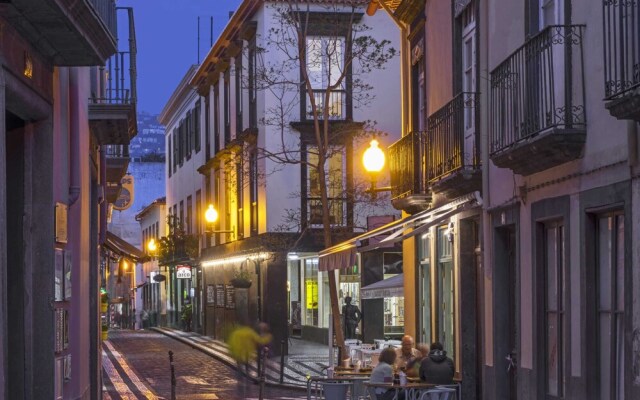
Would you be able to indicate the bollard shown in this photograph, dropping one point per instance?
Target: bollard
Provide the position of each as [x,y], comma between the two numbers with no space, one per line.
[282,361]
[262,355]
[173,376]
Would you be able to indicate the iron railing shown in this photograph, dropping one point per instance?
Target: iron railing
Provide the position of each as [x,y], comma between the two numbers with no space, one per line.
[407,165]
[119,75]
[106,10]
[538,87]
[337,210]
[621,19]
[337,107]
[116,151]
[452,143]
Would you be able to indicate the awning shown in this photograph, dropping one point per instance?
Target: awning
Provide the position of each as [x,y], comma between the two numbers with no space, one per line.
[343,255]
[390,287]
[122,247]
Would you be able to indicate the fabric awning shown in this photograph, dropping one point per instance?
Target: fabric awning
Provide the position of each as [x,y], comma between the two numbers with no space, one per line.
[120,246]
[343,255]
[390,287]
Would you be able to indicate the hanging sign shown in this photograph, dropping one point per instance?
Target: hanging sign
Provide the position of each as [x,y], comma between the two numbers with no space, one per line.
[183,272]
[125,200]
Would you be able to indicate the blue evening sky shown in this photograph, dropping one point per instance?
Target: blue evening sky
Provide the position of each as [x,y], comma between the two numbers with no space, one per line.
[167,37]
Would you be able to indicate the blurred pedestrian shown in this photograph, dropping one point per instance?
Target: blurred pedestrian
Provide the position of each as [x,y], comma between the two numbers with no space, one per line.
[243,343]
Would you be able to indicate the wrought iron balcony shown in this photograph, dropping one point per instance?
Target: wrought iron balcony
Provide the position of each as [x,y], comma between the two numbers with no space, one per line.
[71,32]
[453,156]
[622,58]
[537,113]
[112,111]
[117,158]
[407,165]
[337,211]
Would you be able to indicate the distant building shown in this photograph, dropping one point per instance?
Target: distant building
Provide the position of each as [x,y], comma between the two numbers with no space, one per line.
[148,146]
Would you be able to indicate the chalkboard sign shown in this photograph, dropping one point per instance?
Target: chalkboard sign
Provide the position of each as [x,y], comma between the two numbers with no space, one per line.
[211,294]
[231,297]
[219,295]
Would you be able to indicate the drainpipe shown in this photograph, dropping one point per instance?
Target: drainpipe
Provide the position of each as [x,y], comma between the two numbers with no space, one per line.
[63,78]
[632,142]
[74,137]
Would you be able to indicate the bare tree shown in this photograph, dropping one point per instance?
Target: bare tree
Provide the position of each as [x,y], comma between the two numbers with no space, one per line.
[319,55]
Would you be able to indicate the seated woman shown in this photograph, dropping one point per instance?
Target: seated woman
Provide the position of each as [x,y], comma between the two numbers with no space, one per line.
[383,373]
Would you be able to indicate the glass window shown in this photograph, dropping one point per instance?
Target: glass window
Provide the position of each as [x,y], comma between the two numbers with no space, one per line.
[311,292]
[610,307]
[424,255]
[335,183]
[253,190]
[325,66]
[446,292]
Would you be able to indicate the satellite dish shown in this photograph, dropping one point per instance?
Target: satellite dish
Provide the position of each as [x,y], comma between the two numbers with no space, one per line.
[159,278]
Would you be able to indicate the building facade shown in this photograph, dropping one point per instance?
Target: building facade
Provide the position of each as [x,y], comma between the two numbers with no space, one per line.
[270,216]
[534,294]
[58,127]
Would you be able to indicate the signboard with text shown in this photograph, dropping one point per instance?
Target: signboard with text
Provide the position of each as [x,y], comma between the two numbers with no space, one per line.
[183,272]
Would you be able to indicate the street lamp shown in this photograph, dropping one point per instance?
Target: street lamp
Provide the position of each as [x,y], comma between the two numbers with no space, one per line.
[211,216]
[152,246]
[373,160]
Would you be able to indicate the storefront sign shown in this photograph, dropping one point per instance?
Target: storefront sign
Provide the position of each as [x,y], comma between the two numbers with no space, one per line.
[219,295]
[231,297]
[183,272]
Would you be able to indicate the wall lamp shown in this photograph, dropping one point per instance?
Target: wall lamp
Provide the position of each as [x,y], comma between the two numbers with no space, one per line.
[373,160]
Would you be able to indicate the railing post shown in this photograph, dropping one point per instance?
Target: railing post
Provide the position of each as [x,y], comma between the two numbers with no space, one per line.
[263,352]
[282,361]
[173,376]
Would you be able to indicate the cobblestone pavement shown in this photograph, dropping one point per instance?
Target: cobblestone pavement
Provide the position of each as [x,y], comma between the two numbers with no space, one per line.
[136,366]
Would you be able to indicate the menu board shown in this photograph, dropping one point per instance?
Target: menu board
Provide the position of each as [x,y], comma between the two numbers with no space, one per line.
[219,295]
[211,294]
[231,297]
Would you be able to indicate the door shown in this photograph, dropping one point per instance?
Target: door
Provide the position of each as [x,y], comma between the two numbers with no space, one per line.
[469,83]
[446,291]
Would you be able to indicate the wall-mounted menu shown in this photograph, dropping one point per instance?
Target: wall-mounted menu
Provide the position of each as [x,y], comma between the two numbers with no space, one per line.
[231,297]
[219,295]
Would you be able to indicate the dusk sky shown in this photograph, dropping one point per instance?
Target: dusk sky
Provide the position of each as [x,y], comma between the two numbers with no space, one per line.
[167,32]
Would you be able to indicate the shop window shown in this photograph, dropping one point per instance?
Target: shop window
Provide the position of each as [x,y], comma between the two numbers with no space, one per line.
[446,292]
[424,256]
[311,292]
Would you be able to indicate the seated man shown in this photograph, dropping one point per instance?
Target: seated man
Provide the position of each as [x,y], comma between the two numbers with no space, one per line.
[406,353]
[437,368]
[413,366]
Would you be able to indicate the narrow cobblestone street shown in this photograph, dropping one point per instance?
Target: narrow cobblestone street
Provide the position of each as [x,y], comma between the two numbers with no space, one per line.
[136,366]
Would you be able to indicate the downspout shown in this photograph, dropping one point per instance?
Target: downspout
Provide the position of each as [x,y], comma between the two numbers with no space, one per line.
[65,114]
[74,138]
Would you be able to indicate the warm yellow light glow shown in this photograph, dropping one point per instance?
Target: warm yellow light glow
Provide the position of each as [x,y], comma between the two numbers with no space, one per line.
[237,259]
[152,246]
[373,158]
[125,265]
[211,215]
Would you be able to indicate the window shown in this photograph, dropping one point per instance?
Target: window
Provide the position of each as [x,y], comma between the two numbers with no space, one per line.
[207,128]
[188,127]
[227,107]
[196,126]
[188,225]
[554,287]
[199,214]
[253,190]
[238,76]
[253,106]
[216,118]
[419,116]
[335,183]
[240,197]
[175,149]
[169,158]
[424,255]
[446,292]
[325,65]
[182,221]
[311,292]
[610,305]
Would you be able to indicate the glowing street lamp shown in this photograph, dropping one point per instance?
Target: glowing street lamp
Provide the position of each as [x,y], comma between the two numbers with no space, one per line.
[152,246]
[373,160]
[211,216]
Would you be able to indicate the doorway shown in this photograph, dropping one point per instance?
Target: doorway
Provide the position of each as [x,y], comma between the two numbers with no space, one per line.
[506,291]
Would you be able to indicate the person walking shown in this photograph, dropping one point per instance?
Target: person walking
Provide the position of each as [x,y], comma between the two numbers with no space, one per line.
[243,344]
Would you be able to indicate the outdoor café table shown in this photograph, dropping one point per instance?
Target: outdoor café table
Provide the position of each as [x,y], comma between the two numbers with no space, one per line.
[412,390]
[314,384]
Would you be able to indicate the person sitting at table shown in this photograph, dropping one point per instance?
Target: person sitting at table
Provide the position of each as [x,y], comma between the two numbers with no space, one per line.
[437,368]
[383,373]
[406,353]
[413,366]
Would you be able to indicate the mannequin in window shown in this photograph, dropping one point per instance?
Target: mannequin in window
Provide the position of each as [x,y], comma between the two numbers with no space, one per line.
[352,316]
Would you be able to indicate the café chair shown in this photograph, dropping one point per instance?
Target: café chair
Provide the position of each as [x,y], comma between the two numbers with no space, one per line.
[335,390]
[438,393]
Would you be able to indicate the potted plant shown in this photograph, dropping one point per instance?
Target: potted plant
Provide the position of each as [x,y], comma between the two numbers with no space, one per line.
[104,302]
[241,279]
[187,312]
[105,331]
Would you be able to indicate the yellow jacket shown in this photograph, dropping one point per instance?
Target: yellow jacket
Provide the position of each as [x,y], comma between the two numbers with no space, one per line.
[244,341]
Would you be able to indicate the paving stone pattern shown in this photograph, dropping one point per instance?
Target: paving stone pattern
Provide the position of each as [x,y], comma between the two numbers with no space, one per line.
[136,366]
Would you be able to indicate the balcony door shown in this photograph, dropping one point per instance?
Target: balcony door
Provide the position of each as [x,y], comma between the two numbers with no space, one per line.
[469,46]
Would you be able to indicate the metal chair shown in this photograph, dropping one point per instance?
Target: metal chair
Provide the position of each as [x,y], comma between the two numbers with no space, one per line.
[438,393]
[335,390]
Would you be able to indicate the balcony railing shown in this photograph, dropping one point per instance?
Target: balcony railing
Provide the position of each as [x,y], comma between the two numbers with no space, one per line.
[120,71]
[407,165]
[539,87]
[106,10]
[116,151]
[337,211]
[452,143]
[336,108]
[621,47]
